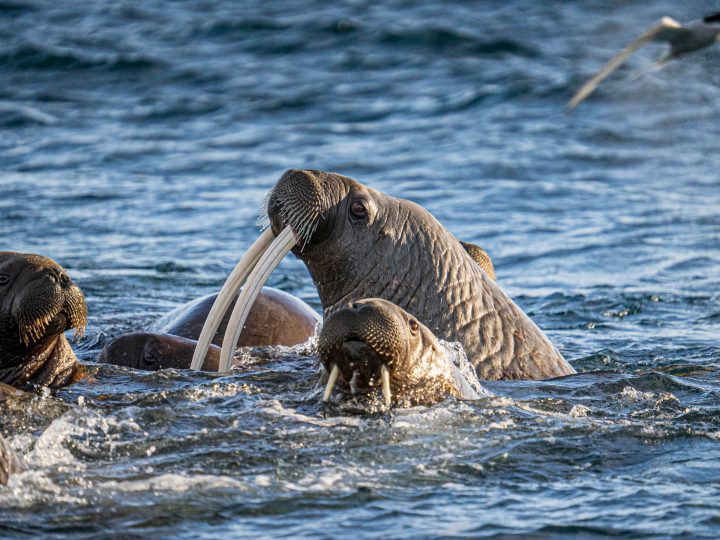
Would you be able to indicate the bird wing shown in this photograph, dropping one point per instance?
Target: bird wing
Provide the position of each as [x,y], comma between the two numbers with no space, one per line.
[665,30]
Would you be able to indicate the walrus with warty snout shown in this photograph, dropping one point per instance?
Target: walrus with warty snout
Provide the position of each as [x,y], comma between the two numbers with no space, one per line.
[276,318]
[39,302]
[359,243]
[372,344]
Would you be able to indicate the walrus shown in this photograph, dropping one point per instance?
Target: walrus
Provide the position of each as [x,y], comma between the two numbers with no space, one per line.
[373,344]
[359,243]
[39,302]
[276,318]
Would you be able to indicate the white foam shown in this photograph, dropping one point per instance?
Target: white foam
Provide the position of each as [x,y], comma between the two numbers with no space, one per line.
[275,408]
[175,483]
[455,353]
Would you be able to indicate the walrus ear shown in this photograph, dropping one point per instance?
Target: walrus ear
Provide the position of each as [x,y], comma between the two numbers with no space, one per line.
[480,256]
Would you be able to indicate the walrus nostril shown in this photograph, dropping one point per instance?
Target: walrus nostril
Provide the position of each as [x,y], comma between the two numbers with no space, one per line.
[65,280]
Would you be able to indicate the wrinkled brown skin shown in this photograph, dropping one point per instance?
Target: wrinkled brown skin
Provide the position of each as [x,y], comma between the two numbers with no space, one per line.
[366,334]
[38,304]
[276,318]
[396,250]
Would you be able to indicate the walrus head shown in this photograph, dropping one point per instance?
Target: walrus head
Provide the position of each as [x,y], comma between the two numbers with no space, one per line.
[154,351]
[38,304]
[346,232]
[373,344]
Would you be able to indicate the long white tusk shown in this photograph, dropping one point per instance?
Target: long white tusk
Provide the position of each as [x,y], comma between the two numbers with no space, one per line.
[226,295]
[334,372]
[257,278]
[385,376]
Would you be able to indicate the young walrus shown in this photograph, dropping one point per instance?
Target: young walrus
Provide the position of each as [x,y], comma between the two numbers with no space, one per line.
[38,304]
[373,344]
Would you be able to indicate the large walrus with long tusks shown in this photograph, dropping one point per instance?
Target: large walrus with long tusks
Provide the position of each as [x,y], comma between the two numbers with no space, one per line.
[360,243]
[276,318]
[38,304]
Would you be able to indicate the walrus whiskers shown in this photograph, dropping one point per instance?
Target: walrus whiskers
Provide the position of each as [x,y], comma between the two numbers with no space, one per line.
[332,379]
[34,330]
[227,293]
[282,244]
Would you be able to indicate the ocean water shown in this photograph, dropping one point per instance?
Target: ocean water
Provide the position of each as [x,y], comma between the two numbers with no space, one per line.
[137,140]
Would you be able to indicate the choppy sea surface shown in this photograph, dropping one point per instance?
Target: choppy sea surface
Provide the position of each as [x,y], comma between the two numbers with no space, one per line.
[137,140]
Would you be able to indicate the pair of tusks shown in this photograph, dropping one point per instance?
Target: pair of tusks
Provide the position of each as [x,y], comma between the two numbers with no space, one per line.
[384,377]
[256,265]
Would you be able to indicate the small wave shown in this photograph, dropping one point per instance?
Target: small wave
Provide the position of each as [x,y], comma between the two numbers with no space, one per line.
[8,7]
[237,27]
[175,483]
[13,115]
[448,40]
[171,267]
[42,57]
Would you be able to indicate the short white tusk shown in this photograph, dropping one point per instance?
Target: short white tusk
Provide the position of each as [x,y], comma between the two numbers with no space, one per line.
[332,379]
[385,376]
[226,295]
[257,278]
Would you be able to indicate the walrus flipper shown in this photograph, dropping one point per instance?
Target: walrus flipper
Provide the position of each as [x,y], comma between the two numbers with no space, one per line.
[480,256]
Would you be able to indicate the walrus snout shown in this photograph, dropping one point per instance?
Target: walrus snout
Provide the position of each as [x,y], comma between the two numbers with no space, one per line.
[364,342]
[303,199]
[48,302]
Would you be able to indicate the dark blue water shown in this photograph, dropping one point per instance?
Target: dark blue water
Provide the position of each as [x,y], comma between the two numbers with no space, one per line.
[137,140]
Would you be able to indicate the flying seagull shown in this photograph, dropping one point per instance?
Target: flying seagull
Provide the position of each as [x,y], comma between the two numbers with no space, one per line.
[682,39]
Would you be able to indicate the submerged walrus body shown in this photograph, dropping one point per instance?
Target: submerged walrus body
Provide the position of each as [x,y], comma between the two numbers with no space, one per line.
[277,318]
[359,243]
[38,304]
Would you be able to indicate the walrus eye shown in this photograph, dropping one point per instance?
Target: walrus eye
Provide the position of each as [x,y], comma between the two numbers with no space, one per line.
[4,279]
[413,326]
[358,208]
